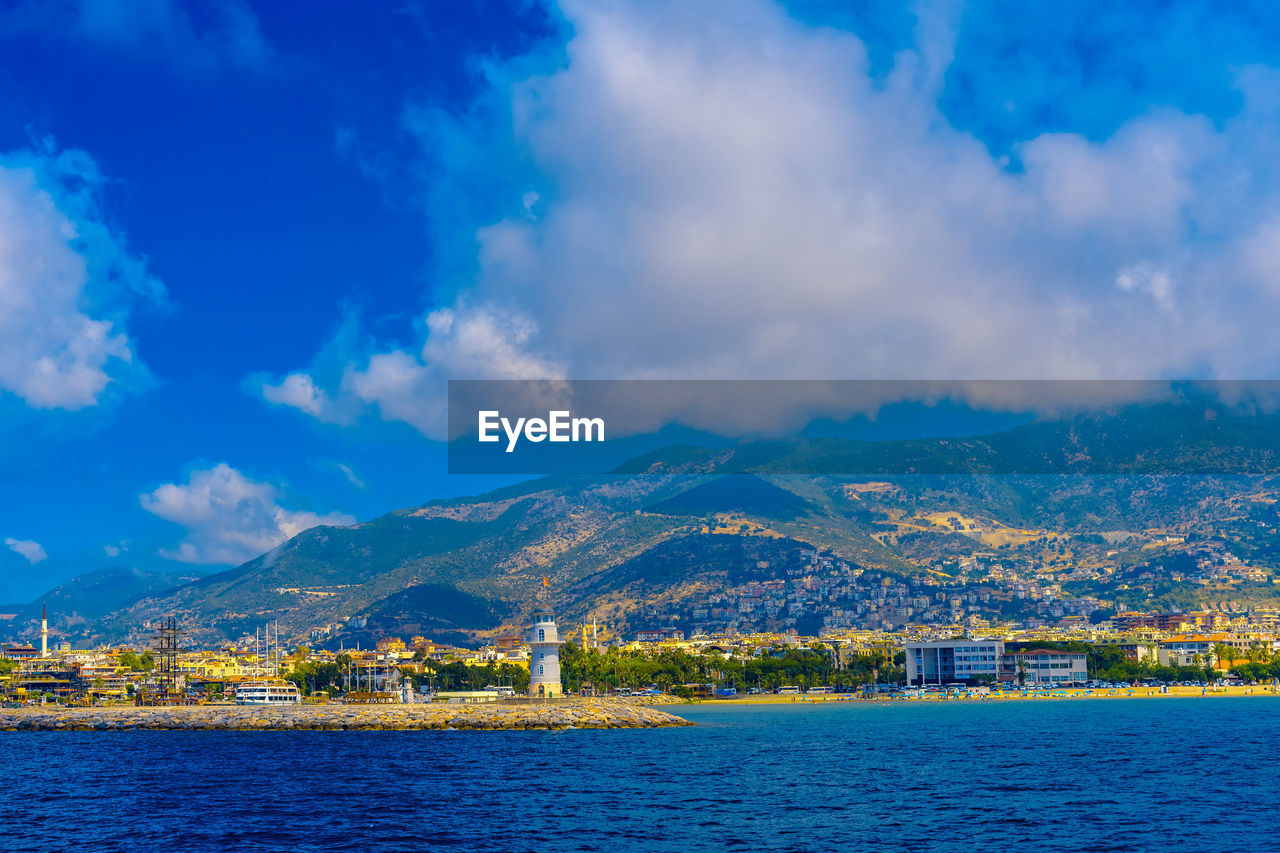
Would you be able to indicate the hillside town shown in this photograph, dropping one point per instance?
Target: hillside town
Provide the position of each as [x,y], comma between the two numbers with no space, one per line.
[820,594]
[1203,647]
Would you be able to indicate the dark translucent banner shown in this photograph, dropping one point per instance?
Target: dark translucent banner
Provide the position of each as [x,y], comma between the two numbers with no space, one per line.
[863,427]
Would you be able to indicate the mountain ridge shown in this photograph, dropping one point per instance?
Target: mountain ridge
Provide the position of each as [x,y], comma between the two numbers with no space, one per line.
[594,537]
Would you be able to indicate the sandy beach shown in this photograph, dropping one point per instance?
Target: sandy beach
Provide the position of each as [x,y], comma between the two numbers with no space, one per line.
[1047,694]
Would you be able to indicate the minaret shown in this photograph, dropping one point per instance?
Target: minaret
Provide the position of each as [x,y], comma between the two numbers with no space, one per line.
[544,655]
[44,631]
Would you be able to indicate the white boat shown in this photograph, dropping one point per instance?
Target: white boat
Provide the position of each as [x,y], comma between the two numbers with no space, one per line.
[267,693]
[268,688]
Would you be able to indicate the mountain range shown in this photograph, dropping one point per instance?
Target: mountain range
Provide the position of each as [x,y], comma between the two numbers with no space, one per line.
[1160,506]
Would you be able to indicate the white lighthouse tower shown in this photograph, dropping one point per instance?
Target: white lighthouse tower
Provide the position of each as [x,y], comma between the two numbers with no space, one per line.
[44,631]
[544,655]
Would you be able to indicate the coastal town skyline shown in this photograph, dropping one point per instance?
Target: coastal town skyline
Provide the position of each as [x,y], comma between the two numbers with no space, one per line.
[1201,649]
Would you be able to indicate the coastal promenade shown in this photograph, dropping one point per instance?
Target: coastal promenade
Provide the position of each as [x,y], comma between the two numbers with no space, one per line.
[577,714]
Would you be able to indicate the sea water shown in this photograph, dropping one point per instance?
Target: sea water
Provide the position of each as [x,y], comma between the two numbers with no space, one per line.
[1198,774]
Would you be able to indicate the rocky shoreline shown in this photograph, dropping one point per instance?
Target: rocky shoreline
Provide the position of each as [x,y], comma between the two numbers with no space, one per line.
[583,714]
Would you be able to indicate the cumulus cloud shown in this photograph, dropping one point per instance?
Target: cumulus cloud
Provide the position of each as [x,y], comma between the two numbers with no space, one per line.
[31,551]
[229,518]
[464,342]
[66,279]
[299,391]
[719,190]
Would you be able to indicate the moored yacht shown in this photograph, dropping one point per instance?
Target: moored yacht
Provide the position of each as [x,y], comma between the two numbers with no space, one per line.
[267,693]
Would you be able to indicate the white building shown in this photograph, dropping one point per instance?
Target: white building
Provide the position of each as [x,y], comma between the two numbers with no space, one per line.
[1045,667]
[946,661]
[544,655]
[1190,650]
[970,661]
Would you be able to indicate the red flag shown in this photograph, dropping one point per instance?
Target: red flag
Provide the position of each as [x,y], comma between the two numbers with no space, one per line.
[546,581]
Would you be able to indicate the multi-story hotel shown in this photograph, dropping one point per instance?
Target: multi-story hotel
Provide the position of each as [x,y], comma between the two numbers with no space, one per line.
[969,661]
[944,661]
[1044,666]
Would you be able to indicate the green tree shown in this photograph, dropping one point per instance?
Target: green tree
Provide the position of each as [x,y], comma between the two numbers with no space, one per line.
[137,663]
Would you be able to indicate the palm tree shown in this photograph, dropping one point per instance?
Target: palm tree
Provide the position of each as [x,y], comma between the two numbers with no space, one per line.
[1223,651]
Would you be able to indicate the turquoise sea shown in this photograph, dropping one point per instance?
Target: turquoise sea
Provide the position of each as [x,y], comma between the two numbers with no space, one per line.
[1107,775]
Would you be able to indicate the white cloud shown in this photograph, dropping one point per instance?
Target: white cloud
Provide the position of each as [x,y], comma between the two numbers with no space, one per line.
[716,190]
[33,552]
[299,391]
[464,342]
[111,550]
[229,518]
[65,279]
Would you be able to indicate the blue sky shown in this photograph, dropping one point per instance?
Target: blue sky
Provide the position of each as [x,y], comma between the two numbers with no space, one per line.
[242,248]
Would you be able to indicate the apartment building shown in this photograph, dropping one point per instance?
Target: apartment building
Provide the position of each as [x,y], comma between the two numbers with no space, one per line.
[1044,667]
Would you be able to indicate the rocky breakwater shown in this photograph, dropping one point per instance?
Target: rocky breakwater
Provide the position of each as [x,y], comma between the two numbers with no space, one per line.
[583,714]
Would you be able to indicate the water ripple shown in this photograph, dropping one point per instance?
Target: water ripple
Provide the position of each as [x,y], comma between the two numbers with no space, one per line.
[1098,776]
